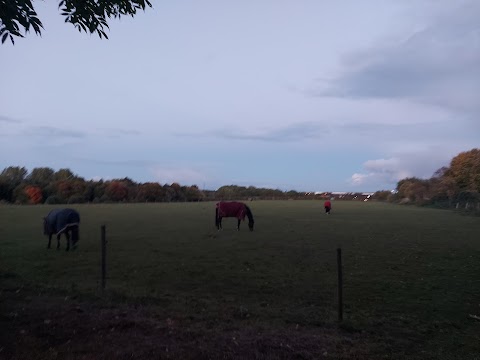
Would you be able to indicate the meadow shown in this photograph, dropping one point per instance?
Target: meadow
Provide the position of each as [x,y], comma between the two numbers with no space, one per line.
[411,275]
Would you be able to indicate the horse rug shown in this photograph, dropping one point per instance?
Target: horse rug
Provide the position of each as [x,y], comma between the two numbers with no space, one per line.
[231,209]
[59,219]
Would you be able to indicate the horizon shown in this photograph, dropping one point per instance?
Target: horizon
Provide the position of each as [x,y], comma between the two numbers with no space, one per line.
[202,188]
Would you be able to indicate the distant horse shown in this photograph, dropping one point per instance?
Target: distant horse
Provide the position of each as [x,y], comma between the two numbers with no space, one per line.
[233,209]
[62,221]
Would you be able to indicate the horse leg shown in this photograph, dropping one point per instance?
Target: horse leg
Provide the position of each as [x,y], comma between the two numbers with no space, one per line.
[220,224]
[49,241]
[58,241]
[238,225]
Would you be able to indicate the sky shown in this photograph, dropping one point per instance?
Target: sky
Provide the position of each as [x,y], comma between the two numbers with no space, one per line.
[302,95]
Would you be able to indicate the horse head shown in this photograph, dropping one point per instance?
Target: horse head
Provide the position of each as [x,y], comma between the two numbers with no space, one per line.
[75,236]
[249,214]
[45,226]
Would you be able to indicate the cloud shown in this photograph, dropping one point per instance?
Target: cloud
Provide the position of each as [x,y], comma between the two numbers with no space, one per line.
[360,179]
[130,163]
[421,164]
[116,133]
[439,64]
[291,133]
[9,119]
[181,175]
[50,131]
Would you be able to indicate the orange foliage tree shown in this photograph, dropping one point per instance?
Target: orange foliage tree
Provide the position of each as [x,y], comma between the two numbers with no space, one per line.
[465,170]
[117,191]
[34,193]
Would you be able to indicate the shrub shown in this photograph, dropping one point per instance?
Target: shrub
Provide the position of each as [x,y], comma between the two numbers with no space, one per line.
[52,199]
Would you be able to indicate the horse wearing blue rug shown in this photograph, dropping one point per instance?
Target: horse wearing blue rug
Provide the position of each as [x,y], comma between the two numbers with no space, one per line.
[62,221]
[233,209]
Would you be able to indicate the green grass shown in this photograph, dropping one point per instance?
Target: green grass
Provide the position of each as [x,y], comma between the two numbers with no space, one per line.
[411,274]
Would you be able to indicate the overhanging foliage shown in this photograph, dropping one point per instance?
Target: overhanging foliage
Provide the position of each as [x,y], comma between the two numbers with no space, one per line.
[18,17]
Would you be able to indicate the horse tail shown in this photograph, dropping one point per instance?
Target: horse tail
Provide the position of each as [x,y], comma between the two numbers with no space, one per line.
[249,214]
[216,216]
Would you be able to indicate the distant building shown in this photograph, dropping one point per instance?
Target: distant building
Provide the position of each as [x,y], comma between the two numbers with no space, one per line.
[344,195]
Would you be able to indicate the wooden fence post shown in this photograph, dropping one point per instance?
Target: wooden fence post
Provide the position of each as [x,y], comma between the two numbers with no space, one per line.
[340,284]
[104,257]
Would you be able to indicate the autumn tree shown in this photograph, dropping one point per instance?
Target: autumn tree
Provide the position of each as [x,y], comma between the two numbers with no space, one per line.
[14,175]
[227,192]
[442,190]
[10,178]
[34,193]
[413,189]
[382,195]
[18,17]
[457,185]
[440,173]
[291,194]
[193,193]
[169,193]
[41,176]
[64,174]
[66,189]
[116,191]
[132,188]
[19,194]
[150,192]
[89,192]
[179,194]
[465,170]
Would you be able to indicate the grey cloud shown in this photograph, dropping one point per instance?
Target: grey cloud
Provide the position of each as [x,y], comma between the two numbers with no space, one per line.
[127,132]
[389,132]
[50,131]
[134,163]
[421,164]
[9,119]
[292,133]
[116,133]
[366,128]
[438,65]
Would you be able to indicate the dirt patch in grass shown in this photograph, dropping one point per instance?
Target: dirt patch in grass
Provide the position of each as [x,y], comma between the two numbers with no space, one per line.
[40,325]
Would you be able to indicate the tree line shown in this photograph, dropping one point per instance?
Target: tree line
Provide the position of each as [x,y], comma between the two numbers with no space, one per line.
[44,185]
[454,186]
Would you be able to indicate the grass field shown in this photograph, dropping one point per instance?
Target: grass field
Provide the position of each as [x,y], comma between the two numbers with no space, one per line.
[411,276]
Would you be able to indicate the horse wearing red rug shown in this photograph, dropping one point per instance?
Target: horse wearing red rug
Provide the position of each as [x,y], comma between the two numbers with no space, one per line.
[233,209]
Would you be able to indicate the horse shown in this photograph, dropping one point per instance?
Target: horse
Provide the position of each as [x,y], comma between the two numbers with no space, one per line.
[328,207]
[62,221]
[233,209]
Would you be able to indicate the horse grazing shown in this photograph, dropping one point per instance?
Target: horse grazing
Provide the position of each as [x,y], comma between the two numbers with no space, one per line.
[233,209]
[62,221]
